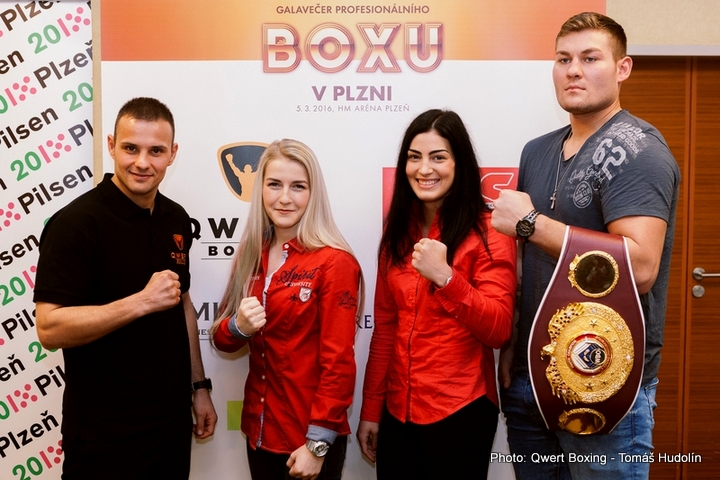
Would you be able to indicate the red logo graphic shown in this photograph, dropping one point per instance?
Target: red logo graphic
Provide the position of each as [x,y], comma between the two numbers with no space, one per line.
[492,180]
[179,241]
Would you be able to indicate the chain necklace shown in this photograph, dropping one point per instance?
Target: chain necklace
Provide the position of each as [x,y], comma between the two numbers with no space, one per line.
[558,178]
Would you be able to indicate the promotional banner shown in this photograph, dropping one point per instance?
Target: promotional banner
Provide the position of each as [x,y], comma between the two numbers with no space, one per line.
[46,140]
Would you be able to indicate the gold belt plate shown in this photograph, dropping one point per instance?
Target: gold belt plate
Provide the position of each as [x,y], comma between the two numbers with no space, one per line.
[591,353]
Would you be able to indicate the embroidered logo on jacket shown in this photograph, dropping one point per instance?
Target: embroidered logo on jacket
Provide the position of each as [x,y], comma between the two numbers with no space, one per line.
[305,294]
[348,301]
[179,257]
[179,241]
[294,277]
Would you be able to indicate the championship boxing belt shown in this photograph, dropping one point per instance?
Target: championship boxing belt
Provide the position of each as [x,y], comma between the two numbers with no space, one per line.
[587,343]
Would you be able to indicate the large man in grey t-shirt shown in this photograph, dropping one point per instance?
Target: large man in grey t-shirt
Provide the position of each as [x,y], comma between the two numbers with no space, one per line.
[607,171]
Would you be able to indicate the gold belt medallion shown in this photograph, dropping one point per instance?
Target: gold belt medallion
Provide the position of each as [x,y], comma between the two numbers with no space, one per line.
[591,353]
[594,273]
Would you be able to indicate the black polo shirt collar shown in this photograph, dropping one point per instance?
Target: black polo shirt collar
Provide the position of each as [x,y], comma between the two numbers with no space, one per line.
[122,205]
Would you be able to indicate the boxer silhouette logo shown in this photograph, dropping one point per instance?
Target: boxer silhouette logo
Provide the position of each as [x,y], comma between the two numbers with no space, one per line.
[238,165]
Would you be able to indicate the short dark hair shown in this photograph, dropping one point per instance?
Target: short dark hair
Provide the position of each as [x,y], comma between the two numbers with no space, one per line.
[597,21]
[462,206]
[147,109]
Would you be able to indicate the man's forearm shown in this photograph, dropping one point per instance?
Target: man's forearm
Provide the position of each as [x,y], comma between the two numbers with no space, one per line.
[198,372]
[62,327]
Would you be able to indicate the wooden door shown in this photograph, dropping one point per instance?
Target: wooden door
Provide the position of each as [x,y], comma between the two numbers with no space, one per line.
[681,97]
[702,367]
[657,92]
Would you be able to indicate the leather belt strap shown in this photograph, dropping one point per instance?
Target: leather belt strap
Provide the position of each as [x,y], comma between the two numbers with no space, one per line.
[587,344]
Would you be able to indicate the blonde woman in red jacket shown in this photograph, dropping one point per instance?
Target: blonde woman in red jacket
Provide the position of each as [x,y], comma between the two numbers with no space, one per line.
[294,296]
[443,300]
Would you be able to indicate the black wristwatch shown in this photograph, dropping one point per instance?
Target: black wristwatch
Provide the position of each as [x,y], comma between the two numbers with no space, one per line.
[317,448]
[205,383]
[526,226]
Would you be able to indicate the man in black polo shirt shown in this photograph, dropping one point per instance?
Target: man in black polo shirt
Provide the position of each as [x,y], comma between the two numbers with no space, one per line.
[112,291]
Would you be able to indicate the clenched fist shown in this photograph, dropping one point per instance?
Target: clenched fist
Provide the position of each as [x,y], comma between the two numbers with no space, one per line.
[162,291]
[429,258]
[250,316]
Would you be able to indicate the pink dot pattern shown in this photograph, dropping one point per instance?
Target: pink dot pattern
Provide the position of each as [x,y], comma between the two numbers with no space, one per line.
[58,145]
[7,216]
[57,451]
[25,396]
[77,19]
[24,89]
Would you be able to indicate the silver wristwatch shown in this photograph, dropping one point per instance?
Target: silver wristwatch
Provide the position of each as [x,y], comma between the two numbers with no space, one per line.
[317,448]
[526,226]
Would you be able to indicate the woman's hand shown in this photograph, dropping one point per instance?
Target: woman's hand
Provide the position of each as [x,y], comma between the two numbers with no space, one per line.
[429,258]
[304,464]
[250,316]
[367,435]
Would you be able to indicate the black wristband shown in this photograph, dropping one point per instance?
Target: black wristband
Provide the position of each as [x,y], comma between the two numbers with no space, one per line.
[205,383]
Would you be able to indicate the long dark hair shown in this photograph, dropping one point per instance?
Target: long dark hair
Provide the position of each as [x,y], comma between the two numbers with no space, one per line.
[461,208]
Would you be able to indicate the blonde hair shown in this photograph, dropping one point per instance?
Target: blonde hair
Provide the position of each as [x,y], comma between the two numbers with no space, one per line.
[316,228]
